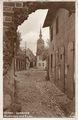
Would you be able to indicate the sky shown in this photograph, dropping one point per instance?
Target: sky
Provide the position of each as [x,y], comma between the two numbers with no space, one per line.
[30,30]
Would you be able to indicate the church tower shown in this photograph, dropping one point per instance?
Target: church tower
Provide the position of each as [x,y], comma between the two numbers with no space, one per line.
[40,44]
[41,64]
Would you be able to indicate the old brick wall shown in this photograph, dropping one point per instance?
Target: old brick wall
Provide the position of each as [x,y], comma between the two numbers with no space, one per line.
[8,72]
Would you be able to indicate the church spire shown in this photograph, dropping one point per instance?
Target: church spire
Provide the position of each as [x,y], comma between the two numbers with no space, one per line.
[40,33]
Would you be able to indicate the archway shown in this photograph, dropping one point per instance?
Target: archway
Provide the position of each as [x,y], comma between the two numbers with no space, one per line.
[14,14]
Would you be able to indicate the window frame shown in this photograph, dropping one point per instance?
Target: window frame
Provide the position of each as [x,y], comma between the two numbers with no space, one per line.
[51,33]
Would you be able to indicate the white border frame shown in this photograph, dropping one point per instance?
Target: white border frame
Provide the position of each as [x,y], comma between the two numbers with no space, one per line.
[1,61]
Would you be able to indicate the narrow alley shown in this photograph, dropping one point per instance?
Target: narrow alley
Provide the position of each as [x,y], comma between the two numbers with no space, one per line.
[35,96]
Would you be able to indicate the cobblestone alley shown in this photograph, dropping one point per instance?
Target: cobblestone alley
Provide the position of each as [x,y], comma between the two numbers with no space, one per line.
[35,96]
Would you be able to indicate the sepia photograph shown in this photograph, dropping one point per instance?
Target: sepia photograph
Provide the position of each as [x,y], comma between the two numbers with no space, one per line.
[39,59]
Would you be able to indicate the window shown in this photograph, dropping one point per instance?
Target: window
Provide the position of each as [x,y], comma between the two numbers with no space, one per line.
[56,25]
[51,32]
[57,56]
[61,56]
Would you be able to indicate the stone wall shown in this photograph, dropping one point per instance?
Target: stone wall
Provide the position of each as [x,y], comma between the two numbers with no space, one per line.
[8,69]
[62,49]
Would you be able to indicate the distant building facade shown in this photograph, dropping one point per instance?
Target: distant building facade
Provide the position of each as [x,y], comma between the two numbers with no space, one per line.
[31,57]
[62,49]
[40,63]
[22,62]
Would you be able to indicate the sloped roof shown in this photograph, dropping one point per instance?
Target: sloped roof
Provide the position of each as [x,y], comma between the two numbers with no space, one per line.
[49,18]
[52,11]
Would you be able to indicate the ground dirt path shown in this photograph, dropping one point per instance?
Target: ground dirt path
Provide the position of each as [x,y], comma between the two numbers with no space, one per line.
[33,95]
